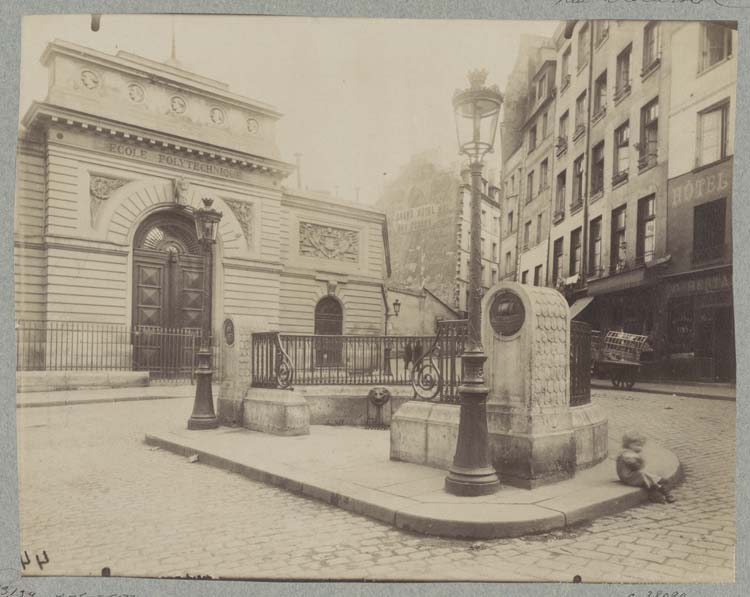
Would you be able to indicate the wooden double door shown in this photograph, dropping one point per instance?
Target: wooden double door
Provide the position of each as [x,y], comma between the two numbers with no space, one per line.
[168,299]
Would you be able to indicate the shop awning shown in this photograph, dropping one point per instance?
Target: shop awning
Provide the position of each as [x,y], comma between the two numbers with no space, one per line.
[616,283]
[580,305]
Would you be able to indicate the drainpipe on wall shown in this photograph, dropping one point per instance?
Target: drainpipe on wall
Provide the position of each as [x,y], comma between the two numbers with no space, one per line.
[586,189]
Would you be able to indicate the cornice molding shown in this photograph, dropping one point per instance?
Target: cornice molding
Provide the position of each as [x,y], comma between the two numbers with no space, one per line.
[42,114]
[331,207]
[143,68]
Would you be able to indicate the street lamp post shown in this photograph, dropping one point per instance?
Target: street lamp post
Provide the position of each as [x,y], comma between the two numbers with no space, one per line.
[204,417]
[476,109]
[387,350]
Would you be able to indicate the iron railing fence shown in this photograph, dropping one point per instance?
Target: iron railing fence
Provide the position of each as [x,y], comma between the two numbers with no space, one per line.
[72,346]
[580,363]
[431,364]
[283,360]
[168,354]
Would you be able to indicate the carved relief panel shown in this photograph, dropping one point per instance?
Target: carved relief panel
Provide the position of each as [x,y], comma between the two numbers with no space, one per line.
[101,189]
[328,242]
[244,212]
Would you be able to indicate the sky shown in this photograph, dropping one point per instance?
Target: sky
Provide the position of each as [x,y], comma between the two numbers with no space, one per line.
[359,96]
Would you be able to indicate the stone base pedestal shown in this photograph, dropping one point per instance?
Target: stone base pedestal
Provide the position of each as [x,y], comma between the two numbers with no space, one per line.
[590,431]
[529,461]
[281,412]
[425,433]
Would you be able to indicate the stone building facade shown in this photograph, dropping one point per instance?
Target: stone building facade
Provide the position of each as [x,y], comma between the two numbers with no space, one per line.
[626,154]
[429,227]
[108,165]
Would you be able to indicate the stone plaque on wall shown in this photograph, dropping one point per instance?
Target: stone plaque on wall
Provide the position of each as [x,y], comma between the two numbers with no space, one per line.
[327,242]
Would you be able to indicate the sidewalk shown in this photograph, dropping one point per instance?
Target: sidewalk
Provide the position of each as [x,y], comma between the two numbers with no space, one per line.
[710,391]
[102,395]
[351,468]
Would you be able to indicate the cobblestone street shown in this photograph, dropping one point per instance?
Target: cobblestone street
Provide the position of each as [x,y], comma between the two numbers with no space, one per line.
[94,495]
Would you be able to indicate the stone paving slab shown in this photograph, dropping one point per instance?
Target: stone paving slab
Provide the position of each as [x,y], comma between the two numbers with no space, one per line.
[350,468]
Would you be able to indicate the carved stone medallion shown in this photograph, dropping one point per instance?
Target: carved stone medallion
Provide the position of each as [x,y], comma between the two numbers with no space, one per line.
[89,79]
[253,126]
[177,104]
[327,242]
[243,211]
[217,115]
[136,93]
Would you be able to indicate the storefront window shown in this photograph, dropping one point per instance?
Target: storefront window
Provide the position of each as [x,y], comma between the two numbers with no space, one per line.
[681,331]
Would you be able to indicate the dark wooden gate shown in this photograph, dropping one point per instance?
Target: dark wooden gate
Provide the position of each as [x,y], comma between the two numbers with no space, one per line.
[168,295]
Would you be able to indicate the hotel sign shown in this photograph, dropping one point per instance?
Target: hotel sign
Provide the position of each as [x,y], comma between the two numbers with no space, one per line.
[705,185]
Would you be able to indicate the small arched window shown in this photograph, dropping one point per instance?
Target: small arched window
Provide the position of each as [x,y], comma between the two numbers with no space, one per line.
[329,319]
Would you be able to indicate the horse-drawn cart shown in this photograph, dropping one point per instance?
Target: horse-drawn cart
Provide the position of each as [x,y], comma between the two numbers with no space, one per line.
[618,355]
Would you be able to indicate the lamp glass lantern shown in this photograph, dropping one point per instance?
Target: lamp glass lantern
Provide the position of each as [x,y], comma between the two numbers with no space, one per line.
[477,110]
[207,221]
[396,307]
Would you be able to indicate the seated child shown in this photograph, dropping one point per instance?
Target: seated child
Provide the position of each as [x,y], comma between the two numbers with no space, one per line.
[630,469]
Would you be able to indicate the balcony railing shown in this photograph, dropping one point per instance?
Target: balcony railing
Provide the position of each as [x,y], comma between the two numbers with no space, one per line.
[576,205]
[595,272]
[579,130]
[619,177]
[618,266]
[644,258]
[598,114]
[621,91]
[558,215]
[647,160]
[564,83]
[561,145]
[650,67]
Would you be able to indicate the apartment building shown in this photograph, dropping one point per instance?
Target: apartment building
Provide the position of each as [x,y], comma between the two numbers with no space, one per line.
[535,200]
[490,219]
[695,297]
[428,207]
[640,197]
[513,169]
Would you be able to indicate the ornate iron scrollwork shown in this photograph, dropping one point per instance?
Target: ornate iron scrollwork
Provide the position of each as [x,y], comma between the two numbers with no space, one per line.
[284,366]
[426,378]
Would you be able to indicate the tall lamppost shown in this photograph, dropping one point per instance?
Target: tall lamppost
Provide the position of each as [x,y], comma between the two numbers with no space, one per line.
[476,110]
[206,226]
[388,349]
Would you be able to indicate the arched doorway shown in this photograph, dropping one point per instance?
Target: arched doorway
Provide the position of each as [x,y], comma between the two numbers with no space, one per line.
[168,276]
[329,321]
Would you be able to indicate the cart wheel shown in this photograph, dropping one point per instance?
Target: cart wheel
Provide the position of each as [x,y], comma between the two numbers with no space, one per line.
[629,382]
[615,375]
